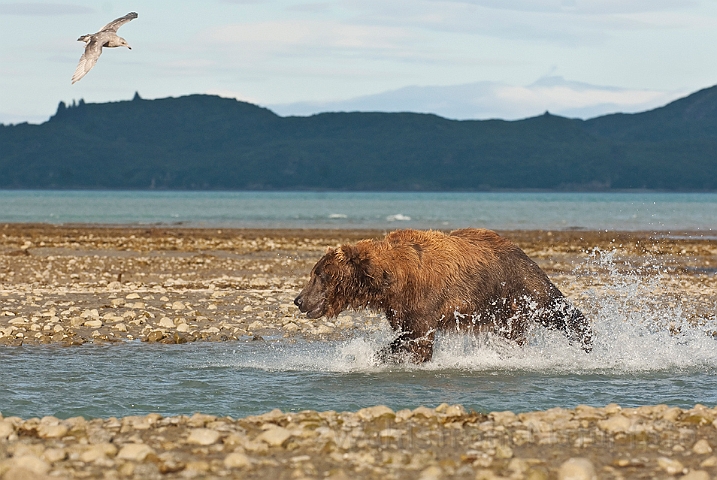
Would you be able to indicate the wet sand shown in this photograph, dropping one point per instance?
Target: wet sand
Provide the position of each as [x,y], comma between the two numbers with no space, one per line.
[70,285]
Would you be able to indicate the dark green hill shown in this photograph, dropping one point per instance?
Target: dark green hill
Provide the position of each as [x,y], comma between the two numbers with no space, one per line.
[208,142]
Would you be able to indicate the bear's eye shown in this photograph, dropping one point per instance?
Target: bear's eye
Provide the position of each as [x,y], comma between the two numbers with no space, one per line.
[320,273]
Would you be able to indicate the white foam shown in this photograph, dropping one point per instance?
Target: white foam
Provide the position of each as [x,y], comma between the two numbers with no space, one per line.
[638,327]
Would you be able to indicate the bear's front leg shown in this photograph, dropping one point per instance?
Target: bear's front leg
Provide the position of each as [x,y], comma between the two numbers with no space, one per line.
[414,346]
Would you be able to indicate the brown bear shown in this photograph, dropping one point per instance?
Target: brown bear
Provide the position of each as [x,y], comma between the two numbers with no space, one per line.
[424,281]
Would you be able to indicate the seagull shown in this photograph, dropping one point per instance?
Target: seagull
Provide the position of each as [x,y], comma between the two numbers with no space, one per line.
[106,37]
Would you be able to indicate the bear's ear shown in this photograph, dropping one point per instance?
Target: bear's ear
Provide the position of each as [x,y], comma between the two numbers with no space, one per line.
[348,254]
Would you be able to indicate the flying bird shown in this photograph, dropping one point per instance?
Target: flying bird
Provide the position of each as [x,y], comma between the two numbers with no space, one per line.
[106,37]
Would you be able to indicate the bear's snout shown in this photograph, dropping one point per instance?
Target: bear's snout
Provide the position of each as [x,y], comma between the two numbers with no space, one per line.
[298,301]
[311,303]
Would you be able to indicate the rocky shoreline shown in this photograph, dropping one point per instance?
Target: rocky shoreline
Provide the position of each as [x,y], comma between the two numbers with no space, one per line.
[70,285]
[376,442]
[73,285]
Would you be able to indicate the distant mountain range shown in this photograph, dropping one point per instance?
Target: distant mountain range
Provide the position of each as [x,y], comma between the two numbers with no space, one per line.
[487,100]
[208,142]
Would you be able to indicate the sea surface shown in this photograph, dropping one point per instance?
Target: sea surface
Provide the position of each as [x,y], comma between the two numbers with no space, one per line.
[371,210]
[638,357]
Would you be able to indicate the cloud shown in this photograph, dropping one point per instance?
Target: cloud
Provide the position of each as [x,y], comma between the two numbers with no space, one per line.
[582,7]
[43,9]
[246,2]
[567,22]
[483,100]
[317,7]
[316,37]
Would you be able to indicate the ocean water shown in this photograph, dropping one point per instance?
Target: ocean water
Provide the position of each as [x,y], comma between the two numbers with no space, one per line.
[373,210]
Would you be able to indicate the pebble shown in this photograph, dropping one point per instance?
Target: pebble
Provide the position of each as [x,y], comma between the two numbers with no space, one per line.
[696,475]
[166,322]
[577,469]
[95,452]
[670,466]
[442,442]
[78,301]
[431,473]
[275,436]
[615,424]
[6,429]
[203,436]
[135,451]
[237,460]
[52,431]
[702,447]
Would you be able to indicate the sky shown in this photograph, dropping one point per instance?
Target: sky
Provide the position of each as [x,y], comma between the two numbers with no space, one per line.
[461,58]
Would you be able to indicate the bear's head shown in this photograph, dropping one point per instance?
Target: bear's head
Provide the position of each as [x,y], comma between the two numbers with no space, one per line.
[344,277]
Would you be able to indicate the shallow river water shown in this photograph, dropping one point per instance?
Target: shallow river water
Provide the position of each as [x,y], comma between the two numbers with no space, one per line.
[630,366]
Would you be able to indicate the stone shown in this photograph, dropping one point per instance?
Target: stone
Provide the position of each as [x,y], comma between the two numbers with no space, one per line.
[373,413]
[237,460]
[672,414]
[696,475]
[19,473]
[503,451]
[93,323]
[615,424]
[503,418]
[197,466]
[672,467]
[455,411]
[431,473]
[424,412]
[135,452]
[702,447]
[324,330]
[166,322]
[709,462]
[52,431]
[255,325]
[577,469]
[155,336]
[178,306]
[32,463]
[182,328]
[203,436]
[53,455]
[200,420]
[391,433]
[275,436]
[6,429]
[100,450]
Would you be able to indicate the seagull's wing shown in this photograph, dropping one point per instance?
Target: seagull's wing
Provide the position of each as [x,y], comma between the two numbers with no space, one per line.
[114,25]
[93,50]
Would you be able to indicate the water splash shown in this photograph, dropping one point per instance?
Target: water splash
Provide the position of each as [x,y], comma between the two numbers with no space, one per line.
[639,322]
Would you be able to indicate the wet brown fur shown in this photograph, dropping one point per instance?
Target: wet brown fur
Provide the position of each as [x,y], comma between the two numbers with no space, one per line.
[424,281]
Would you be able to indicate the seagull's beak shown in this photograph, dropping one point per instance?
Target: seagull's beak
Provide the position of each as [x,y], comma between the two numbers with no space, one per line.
[129,47]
